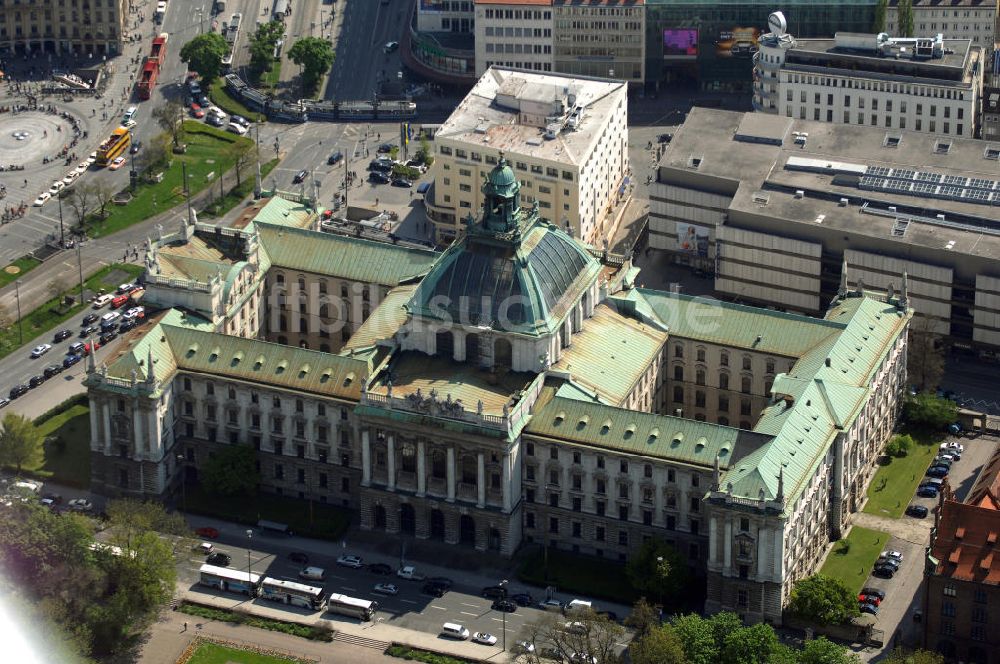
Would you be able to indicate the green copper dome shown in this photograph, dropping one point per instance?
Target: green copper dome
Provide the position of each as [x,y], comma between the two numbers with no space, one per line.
[501,180]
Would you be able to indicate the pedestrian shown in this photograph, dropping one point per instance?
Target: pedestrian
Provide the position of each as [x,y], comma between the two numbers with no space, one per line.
[185,626]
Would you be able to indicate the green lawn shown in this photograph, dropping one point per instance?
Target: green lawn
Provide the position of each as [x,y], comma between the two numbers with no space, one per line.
[236,195]
[213,653]
[852,558]
[895,482]
[18,269]
[67,456]
[574,573]
[50,314]
[406,652]
[323,521]
[270,78]
[222,99]
[208,151]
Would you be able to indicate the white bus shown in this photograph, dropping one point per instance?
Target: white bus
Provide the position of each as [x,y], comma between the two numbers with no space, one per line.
[351,606]
[229,580]
[290,592]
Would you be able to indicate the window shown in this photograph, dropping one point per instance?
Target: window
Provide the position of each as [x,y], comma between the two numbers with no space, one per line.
[979,615]
[723,381]
[553,453]
[301,479]
[576,529]
[700,353]
[742,598]
[576,458]
[746,363]
[600,487]
[530,450]
[623,538]
[623,491]
[599,533]
[600,462]
[623,466]
[279,471]
[577,504]
[948,609]
[980,596]
[947,627]
[745,384]
[744,571]
[744,525]
[678,372]
[724,359]
[978,633]
[699,377]
[553,525]
[553,500]
[678,394]
[647,470]
[322,480]
[949,590]
[529,519]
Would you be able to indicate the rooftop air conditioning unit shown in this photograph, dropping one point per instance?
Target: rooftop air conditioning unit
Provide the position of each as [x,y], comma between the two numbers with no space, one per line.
[843,202]
[799,193]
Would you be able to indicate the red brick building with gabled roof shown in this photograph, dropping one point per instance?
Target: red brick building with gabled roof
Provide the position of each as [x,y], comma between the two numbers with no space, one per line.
[962,593]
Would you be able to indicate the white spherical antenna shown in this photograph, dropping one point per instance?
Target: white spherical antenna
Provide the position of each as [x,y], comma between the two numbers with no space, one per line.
[777,23]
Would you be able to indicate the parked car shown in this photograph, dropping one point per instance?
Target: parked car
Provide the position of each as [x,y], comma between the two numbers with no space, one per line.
[52,370]
[890,553]
[551,605]
[381,164]
[88,331]
[219,559]
[70,360]
[869,608]
[90,318]
[109,336]
[873,592]
[927,492]
[380,568]
[80,505]
[916,511]
[40,350]
[884,572]
[504,605]
[484,638]
[522,599]
[207,532]
[354,562]
[116,164]
[196,110]
[135,147]
[434,589]
[62,335]
[401,182]
[77,348]
[493,592]
[888,562]
[937,471]
[378,177]
[35,381]
[240,120]
[952,446]
[863,598]
[385,589]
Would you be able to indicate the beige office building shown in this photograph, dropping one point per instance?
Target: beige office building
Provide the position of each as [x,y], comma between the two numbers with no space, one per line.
[955,19]
[79,27]
[566,139]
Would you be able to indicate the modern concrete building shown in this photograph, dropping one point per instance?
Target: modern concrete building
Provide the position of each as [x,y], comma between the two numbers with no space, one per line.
[523,390]
[77,27]
[955,19]
[782,211]
[514,33]
[991,111]
[927,84]
[962,571]
[566,139]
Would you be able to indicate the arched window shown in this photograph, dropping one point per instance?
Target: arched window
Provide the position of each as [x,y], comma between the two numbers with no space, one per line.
[723,381]
[724,359]
[724,421]
[279,278]
[678,372]
[678,351]
[769,366]
[746,363]
[699,377]
[700,354]
[745,384]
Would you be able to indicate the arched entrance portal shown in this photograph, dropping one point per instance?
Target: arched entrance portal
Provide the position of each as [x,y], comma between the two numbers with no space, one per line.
[407,519]
[467,530]
[437,524]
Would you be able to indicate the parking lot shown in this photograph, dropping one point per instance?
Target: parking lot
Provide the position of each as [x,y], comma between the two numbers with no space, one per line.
[910,536]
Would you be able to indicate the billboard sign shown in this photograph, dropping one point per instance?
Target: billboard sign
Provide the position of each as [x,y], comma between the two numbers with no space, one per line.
[680,43]
[738,43]
[432,5]
[692,239]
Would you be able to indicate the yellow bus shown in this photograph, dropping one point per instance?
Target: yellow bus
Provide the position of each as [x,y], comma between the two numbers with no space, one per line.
[115,146]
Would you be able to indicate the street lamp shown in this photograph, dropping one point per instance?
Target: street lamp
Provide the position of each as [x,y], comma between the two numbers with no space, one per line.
[17,294]
[503,587]
[182,462]
[249,572]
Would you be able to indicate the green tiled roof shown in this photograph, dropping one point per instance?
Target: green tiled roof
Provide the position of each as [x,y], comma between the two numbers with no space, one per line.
[734,325]
[611,353]
[383,323]
[133,354]
[283,212]
[195,348]
[348,258]
[634,432]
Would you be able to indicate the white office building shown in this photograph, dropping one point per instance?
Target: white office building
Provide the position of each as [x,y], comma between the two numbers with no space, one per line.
[927,84]
[955,19]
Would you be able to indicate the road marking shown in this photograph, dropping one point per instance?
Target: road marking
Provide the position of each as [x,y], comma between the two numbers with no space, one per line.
[407,601]
[466,613]
[351,589]
[441,608]
[475,606]
[339,578]
[497,619]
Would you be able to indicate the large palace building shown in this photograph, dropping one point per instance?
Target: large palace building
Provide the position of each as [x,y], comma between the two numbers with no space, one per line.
[516,388]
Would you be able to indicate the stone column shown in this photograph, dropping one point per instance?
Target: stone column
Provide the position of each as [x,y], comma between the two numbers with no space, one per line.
[366,459]
[94,414]
[137,431]
[713,539]
[761,556]
[106,410]
[480,480]
[421,468]
[728,545]
[505,482]
[391,462]
[778,554]
[451,474]
[154,432]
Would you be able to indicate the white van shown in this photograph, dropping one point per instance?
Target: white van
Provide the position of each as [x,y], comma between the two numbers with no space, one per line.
[454,631]
[579,605]
[313,573]
[129,115]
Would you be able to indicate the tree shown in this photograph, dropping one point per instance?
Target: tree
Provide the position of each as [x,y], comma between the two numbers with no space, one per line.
[928,410]
[592,633]
[925,356]
[262,46]
[232,471]
[698,636]
[170,117]
[103,195]
[899,445]
[905,13]
[755,644]
[315,56]
[658,569]
[79,200]
[879,24]
[658,646]
[21,443]
[823,600]
[644,617]
[242,156]
[823,651]
[900,656]
[204,55]
[155,153]
[424,153]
